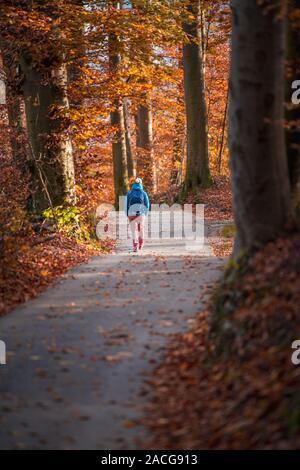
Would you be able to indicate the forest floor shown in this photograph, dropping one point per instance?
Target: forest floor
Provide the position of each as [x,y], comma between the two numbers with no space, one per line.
[78,354]
[229,382]
[32,255]
[31,265]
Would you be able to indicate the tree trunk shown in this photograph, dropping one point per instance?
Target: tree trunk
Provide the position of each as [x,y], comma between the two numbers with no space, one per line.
[137,136]
[16,114]
[197,172]
[145,160]
[222,139]
[53,179]
[145,164]
[119,153]
[117,121]
[178,149]
[129,152]
[179,134]
[293,112]
[258,161]
[74,68]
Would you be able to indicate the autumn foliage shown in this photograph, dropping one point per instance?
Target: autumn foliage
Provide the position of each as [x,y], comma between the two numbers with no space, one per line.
[94,93]
[75,34]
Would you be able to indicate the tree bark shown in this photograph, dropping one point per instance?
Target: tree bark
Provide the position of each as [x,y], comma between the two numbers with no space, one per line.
[145,160]
[178,150]
[179,134]
[129,151]
[53,179]
[119,153]
[117,121]
[197,172]
[222,139]
[293,111]
[258,161]
[74,69]
[16,113]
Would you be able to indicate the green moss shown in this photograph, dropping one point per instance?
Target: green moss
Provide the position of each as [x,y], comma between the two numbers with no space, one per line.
[72,221]
[291,413]
[229,231]
[224,302]
[207,181]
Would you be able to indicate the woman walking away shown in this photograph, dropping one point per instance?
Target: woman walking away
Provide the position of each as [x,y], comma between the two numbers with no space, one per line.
[137,206]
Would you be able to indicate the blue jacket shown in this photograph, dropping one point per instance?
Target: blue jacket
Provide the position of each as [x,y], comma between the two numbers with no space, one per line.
[145,208]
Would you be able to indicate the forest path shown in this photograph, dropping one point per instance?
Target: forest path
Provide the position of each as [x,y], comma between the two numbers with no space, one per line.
[77,355]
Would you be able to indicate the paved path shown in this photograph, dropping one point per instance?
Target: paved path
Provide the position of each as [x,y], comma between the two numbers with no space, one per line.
[78,353]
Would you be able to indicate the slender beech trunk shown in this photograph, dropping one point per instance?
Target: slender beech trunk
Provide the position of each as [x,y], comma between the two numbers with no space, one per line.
[258,161]
[74,69]
[203,32]
[16,113]
[197,172]
[178,149]
[117,121]
[18,138]
[222,139]
[53,178]
[137,135]
[179,134]
[293,111]
[145,159]
[145,162]
[129,151]
[119,152]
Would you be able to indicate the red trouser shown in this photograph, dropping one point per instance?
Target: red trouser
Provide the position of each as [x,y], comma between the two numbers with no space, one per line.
[137,226]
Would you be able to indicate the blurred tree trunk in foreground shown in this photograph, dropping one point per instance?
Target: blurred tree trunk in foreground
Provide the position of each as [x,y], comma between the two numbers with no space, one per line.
[258,160]
[293,110]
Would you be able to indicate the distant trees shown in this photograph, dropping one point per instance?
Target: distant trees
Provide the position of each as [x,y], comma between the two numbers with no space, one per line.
[79,70]
[258,160]
[83,70]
